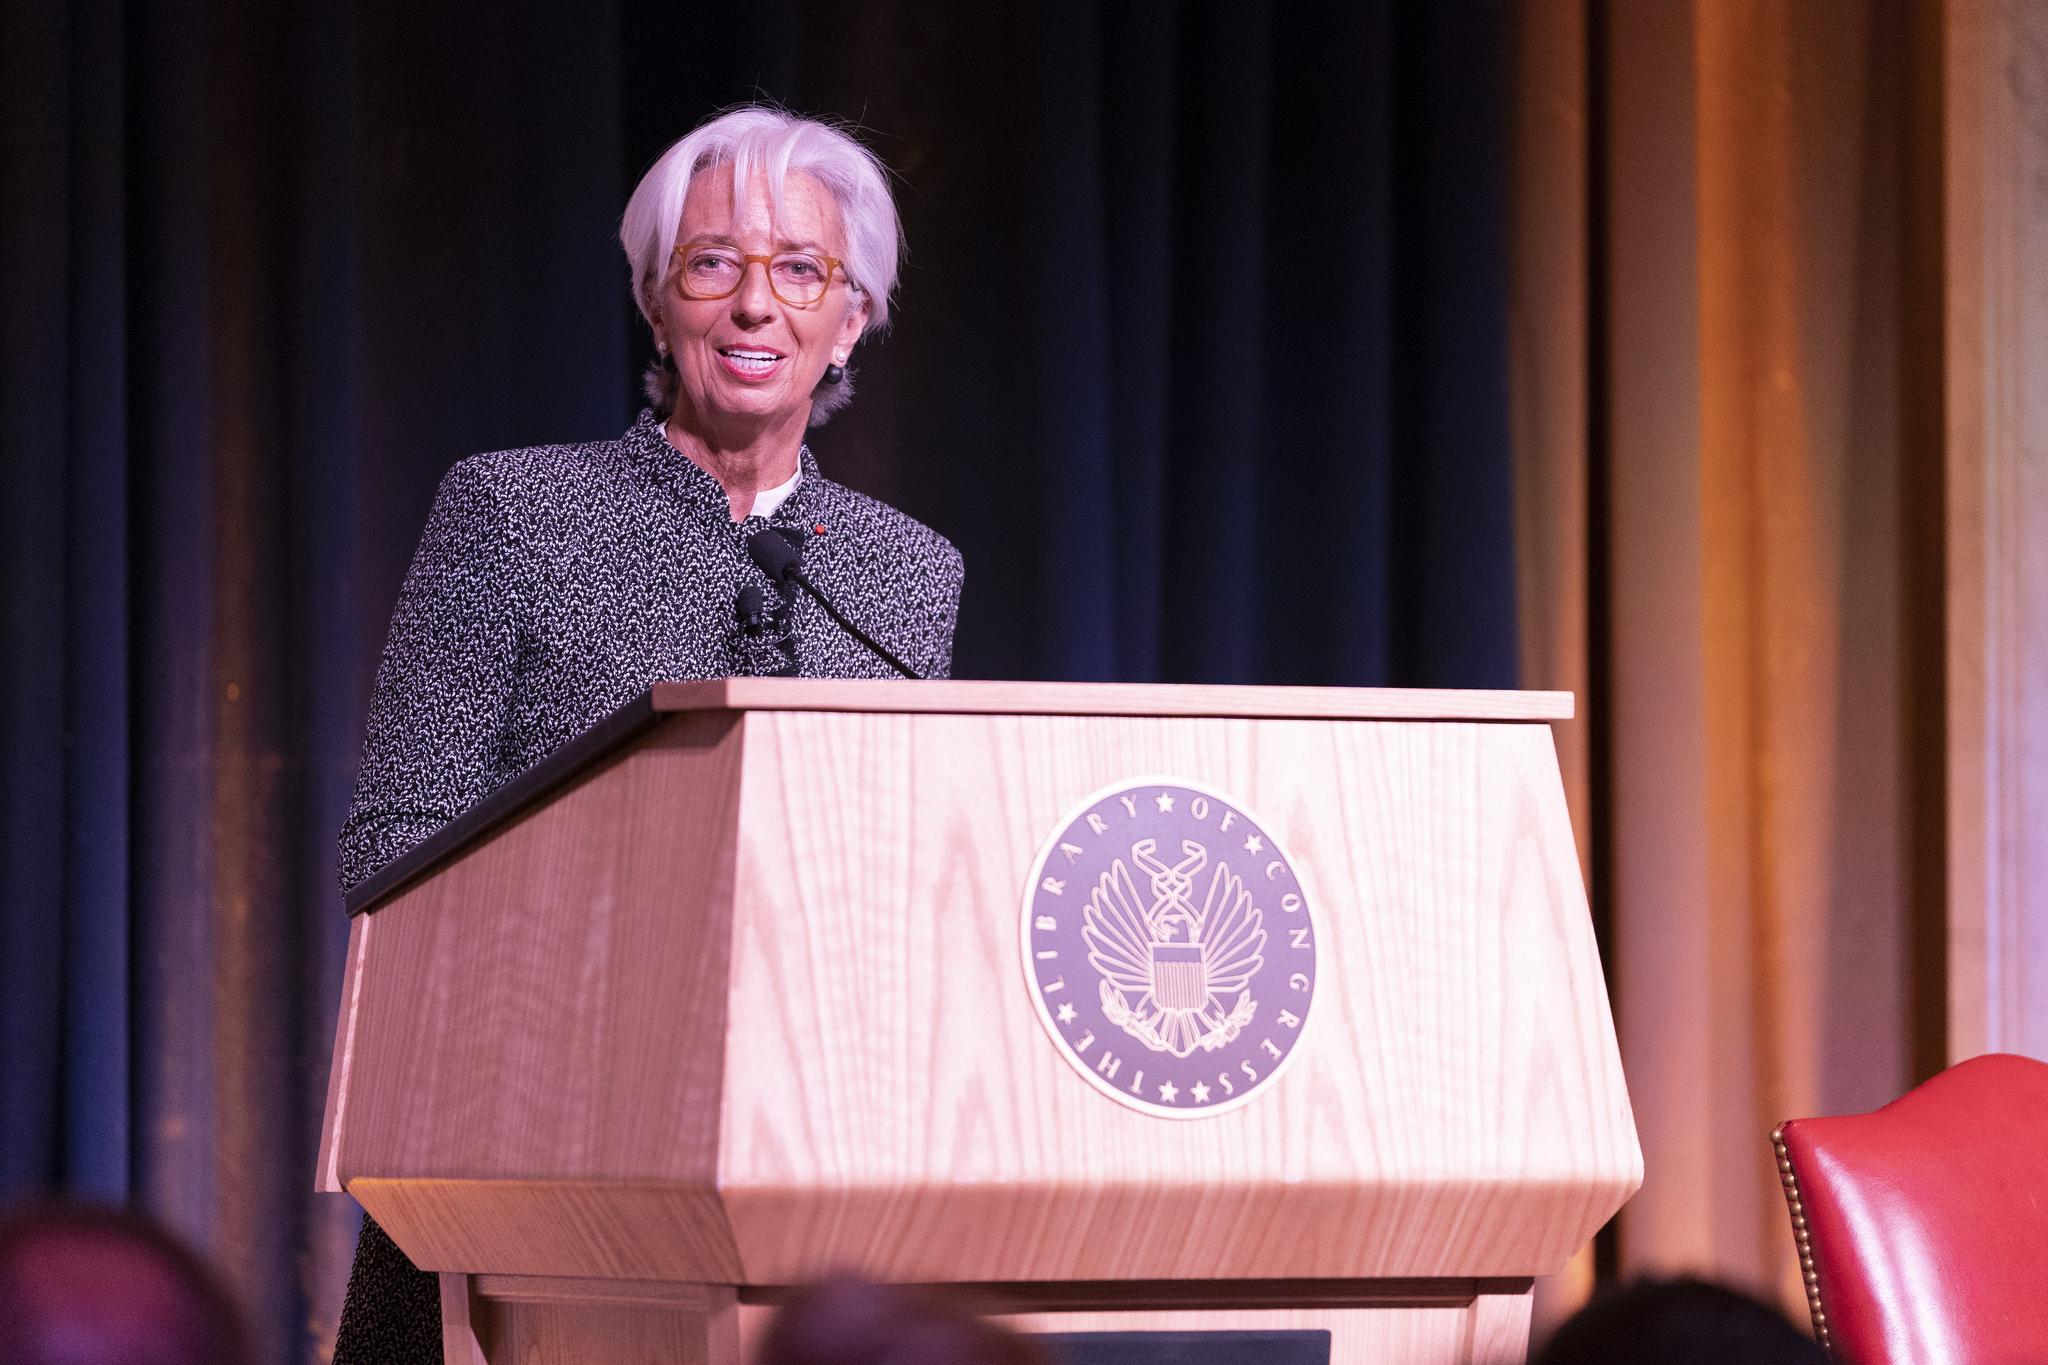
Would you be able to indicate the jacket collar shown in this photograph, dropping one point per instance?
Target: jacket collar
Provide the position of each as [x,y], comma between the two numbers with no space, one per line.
[647,446]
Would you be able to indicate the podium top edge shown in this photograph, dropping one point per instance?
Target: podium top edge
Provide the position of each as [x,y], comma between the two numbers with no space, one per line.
[1109,699]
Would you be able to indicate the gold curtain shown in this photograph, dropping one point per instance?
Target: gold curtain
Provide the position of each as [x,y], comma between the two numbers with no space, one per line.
[1733,556]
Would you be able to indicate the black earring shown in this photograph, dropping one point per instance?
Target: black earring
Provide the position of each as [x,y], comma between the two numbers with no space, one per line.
[835,374]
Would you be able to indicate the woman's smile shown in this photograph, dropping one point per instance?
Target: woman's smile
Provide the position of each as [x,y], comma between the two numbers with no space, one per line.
[751,364]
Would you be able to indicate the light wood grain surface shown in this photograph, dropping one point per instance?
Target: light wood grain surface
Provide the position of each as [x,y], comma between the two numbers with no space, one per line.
[1492,1329]
[464,1330]
[1456,1106]
[1110,699]
[578,1073]
[511,1320]
[549,1009]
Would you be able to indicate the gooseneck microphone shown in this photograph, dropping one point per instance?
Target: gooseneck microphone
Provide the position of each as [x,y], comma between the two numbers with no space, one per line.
[778,552]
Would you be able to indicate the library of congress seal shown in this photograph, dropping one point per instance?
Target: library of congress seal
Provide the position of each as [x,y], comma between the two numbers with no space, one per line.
[1169,948]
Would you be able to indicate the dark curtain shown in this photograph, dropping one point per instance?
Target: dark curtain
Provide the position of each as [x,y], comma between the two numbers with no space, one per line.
[1201,350]
[1200,358]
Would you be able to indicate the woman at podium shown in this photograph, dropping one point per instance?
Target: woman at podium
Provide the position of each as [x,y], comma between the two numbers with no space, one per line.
[553,584]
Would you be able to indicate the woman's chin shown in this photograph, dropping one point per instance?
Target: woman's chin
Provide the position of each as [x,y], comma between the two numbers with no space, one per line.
[751,402]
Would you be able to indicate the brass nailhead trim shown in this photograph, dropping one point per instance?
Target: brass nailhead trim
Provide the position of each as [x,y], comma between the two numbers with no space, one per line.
[1800,1236]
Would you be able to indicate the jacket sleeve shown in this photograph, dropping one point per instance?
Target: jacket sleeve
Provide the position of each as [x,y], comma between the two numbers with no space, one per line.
[947,618]
[444,684]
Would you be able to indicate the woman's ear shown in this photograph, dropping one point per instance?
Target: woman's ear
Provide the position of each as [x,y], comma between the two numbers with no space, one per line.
[850,327]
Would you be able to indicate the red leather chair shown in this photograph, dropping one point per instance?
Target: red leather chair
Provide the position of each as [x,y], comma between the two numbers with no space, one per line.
[1923,1227]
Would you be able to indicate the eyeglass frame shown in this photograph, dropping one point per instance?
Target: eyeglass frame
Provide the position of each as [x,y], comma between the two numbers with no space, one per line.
[832,268]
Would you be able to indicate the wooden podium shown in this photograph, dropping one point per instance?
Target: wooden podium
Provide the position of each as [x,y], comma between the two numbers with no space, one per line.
[742,988]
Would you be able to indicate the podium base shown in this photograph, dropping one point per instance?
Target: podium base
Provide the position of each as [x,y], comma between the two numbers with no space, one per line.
[535,1320]
[538,1320]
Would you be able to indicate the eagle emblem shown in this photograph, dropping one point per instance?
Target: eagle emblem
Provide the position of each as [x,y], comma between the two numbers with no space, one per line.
[1169,947]
[1176,962]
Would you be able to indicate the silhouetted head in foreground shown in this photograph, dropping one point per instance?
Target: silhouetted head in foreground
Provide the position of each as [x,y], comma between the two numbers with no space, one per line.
[855,1322]
[102,1287]
[1678,1322]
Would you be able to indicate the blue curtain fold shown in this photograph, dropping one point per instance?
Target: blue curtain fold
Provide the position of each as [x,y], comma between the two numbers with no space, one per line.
[1200,358]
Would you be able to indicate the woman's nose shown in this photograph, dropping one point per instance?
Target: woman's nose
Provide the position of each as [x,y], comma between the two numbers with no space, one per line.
[755,299]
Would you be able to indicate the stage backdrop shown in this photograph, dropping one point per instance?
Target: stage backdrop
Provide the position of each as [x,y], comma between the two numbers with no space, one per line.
[1200,359]
[1778,328]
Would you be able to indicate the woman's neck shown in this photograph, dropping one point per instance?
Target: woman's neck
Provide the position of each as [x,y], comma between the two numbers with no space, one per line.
[744,463]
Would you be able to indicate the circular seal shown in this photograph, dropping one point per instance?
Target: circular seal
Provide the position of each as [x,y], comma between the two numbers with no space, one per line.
[1169,948]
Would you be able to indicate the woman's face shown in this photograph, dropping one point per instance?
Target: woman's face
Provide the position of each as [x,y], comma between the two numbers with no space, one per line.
[751,359]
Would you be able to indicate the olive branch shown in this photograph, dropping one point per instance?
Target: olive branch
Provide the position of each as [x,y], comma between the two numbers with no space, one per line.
[1226,1032]
[1117,1010]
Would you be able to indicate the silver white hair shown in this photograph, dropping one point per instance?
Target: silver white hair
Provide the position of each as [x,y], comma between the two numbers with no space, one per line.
[778,144]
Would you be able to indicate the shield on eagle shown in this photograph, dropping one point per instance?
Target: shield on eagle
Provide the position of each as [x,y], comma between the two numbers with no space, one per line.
[1174,969]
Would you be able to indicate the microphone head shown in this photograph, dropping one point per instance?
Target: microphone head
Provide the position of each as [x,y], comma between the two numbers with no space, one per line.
[775,553]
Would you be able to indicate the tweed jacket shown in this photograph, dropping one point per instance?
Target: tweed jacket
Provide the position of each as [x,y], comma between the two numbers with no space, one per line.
[555,583]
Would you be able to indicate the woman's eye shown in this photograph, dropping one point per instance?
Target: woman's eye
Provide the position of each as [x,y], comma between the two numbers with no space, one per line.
[802,268]
[709,265]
